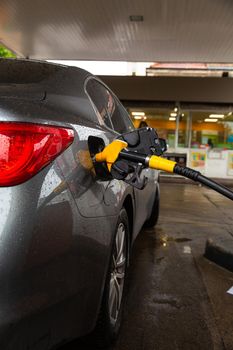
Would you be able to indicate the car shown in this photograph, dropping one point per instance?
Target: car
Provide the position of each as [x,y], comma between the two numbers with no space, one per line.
[65,234]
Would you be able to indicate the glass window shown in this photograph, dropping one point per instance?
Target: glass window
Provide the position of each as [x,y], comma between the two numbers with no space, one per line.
[212,130]
[159,119]
[120,119]
[102,99]
[110,110]
[183,130]
[195,128]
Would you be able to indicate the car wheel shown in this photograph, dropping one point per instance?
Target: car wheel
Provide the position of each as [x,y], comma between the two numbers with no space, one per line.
[152,221]
[110,315]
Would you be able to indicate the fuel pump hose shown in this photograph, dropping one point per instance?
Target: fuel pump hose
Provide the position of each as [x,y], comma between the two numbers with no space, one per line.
[117,150]
[159,163]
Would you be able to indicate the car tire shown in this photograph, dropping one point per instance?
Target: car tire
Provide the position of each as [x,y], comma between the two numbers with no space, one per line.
[154,216]
[110,315]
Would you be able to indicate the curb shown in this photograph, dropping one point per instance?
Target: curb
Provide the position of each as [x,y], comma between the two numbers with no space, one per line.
[221,254]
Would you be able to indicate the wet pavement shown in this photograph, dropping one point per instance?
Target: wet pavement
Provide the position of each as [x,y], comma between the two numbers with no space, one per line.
[176,298]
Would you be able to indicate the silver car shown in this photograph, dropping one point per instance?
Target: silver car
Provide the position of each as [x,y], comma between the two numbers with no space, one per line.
[65,235]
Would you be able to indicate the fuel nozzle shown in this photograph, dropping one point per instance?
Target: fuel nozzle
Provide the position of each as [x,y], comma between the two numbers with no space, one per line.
[128,155]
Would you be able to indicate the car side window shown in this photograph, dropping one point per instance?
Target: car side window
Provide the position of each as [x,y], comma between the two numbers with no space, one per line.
[102,99]
[110,110]
[120,119]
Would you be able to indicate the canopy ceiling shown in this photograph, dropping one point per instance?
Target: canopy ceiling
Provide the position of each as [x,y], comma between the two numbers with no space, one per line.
[172,31]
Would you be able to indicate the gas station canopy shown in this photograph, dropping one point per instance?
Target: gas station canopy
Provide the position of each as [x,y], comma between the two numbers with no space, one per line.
[125,30]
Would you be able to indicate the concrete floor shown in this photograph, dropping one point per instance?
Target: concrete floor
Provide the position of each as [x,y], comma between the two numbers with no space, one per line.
[176,298]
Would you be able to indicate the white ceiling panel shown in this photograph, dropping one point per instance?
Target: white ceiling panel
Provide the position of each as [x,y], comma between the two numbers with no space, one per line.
[172,30]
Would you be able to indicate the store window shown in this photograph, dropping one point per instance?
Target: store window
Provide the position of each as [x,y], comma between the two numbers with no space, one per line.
[185,129]
[212,130]
[159,119]
[199,138]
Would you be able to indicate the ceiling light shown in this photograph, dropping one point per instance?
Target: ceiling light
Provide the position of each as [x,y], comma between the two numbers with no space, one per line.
[175,109]
[173,114]
[182,115]
[137,117]
[229,114]
[138,113]
[211,120]
[136,18]
[172,118]
[216,116]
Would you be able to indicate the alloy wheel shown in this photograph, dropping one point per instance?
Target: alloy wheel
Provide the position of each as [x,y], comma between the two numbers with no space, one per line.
[118,268]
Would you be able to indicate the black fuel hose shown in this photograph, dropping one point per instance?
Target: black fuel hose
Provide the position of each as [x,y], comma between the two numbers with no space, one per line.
[197,176]
[176,169]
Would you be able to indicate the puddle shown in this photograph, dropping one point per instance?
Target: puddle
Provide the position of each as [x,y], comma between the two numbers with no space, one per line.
[159,260]
[187,249]
[164,240]
[167,301]
[181,240]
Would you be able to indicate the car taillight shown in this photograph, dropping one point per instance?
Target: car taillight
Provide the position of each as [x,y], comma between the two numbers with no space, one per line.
[27,148]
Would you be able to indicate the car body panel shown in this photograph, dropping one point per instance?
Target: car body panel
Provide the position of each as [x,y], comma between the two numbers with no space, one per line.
[56,229]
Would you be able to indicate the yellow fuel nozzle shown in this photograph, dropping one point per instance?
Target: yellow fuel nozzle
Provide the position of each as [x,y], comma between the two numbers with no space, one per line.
[111,153]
